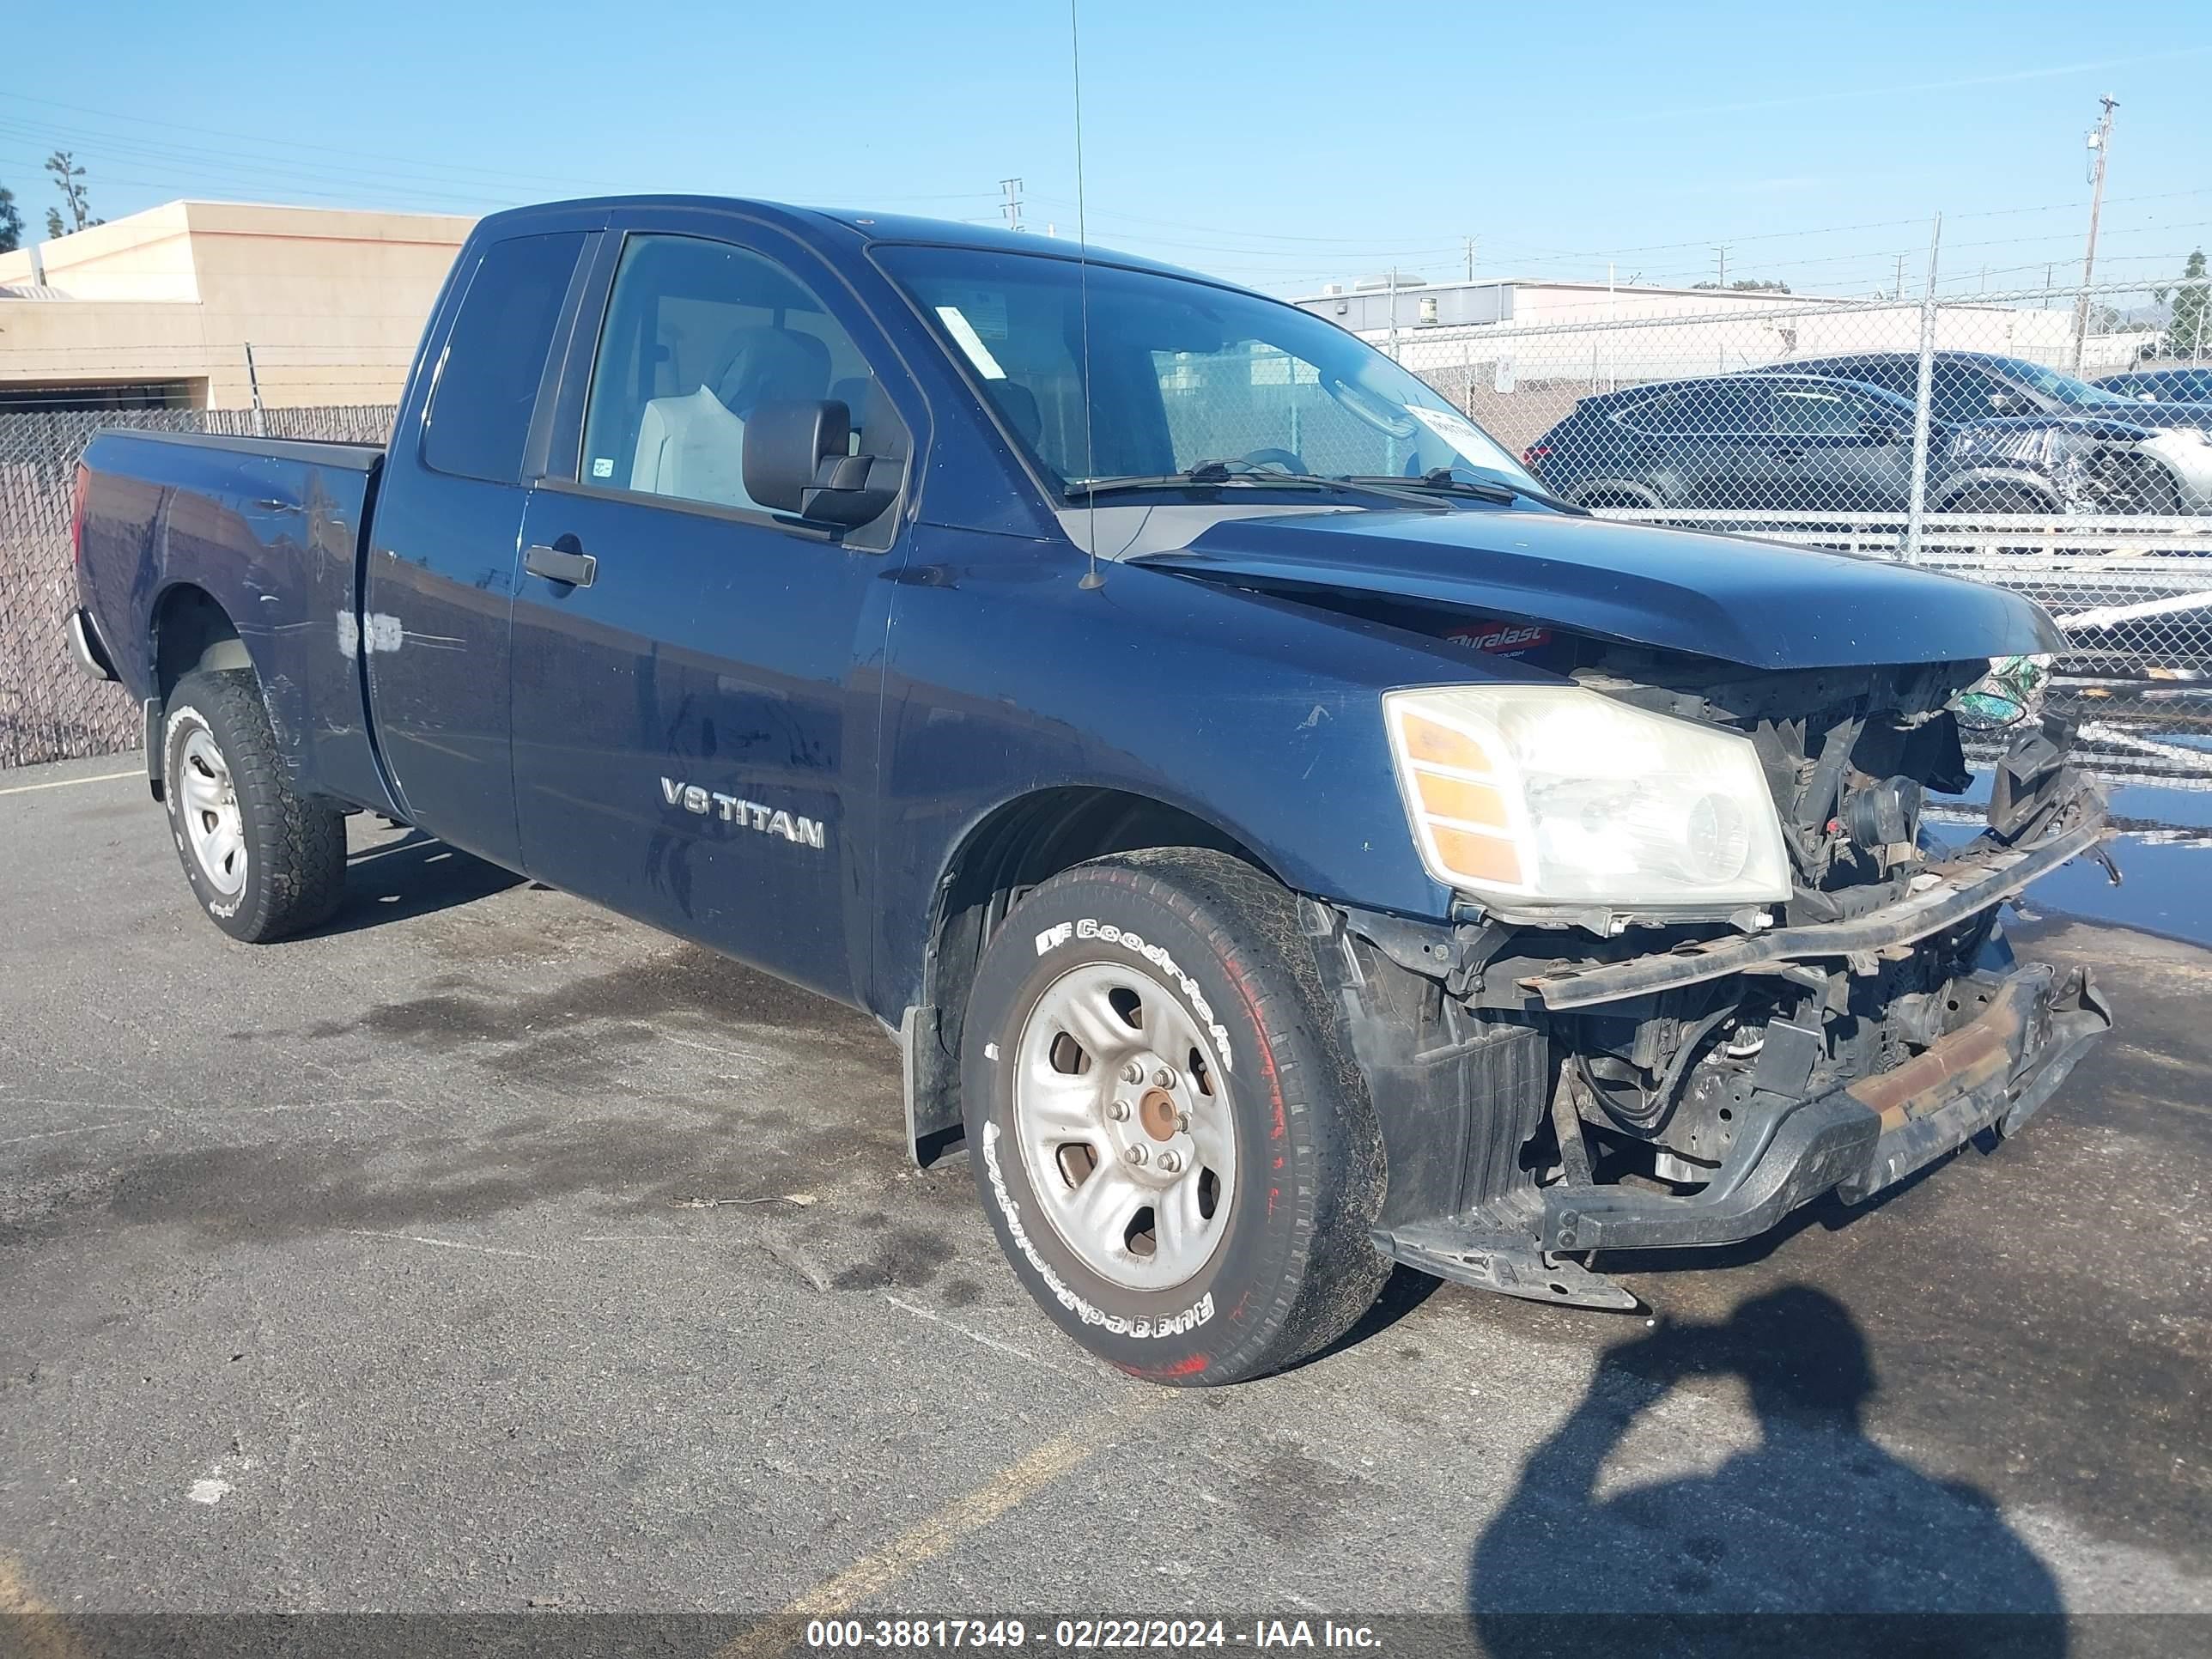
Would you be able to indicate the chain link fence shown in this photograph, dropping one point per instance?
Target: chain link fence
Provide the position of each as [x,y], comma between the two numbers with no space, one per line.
[1968,433]
[1778,417]
[48,709]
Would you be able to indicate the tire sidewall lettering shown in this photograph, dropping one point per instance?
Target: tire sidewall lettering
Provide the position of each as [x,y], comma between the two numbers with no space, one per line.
[1088,928]
[1203,1329]
[1143,1325]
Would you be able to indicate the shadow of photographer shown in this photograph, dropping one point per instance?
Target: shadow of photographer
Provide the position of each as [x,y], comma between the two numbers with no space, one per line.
[1817,1541]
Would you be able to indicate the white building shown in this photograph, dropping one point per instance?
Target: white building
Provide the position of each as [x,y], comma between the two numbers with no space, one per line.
[1517,354]
[159,308]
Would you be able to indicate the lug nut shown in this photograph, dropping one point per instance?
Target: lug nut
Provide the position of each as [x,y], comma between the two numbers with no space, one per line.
[1119,1111]
[1137,1155]
[1183,1122]
[1134,1071]
[1164,1079]
[1170,1163]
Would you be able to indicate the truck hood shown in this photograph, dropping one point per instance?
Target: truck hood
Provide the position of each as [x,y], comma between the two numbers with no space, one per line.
[1762,604]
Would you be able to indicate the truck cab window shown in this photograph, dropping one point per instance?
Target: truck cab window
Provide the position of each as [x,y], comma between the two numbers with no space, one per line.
[699,334]
[487,388]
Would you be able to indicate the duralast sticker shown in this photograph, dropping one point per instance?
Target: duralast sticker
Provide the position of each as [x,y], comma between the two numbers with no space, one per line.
[1500,638]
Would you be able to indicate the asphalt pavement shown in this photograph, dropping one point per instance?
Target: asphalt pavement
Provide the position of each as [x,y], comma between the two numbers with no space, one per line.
[486,1252]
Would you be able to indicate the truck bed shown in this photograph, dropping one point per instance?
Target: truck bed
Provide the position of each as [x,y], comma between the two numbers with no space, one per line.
[269,531]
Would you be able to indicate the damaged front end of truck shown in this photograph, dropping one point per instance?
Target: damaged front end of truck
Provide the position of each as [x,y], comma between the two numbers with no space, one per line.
[1560,1080]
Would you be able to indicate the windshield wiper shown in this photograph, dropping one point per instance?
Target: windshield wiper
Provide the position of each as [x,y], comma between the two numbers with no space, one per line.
[1217,474]
[1443,480]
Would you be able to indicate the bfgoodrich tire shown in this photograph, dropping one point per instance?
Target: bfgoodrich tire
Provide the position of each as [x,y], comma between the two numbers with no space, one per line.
[1178,1158]
[262,860]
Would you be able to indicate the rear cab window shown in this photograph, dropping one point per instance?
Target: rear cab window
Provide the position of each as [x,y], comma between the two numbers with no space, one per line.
[478,425]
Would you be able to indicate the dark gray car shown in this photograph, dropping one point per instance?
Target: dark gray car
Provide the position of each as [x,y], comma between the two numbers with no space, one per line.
[1802,442]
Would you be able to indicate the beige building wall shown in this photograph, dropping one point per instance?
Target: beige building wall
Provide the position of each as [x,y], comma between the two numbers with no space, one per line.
[332,302]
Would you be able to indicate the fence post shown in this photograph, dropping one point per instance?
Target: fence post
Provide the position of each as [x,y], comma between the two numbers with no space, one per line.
[253,388]
[1917,509]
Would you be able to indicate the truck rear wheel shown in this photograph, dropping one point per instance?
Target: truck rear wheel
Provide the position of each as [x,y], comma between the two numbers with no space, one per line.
[262,860]
[1177,1156]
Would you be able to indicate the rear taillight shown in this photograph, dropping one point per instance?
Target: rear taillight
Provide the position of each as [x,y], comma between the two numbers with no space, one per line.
[1534,453]
[78,493]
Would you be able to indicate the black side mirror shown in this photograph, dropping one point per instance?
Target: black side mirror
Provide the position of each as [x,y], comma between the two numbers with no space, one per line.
[795,461]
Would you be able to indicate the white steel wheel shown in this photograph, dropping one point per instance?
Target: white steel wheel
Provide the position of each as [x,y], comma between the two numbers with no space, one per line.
[262,859]
[214,826]
[1122,1118]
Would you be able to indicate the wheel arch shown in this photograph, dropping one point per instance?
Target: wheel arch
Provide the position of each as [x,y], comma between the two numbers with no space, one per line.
[1020,843]
[186,631]
[189,630]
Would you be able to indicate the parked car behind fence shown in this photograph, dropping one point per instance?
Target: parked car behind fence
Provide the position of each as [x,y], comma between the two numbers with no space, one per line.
[2192,385]
[1803,442]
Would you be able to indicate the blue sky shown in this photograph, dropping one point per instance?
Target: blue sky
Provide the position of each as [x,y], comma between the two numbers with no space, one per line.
[1283,145]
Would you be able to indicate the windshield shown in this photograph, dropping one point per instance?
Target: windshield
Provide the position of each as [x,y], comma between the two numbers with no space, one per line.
[1182,373]
[2076,394]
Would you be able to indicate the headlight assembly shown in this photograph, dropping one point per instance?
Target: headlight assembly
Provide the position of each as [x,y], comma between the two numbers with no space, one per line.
[1552,795]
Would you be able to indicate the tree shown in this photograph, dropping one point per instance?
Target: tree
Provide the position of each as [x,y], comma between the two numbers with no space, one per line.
[1751,285]
[69,179]
[11,222]
[2189,329]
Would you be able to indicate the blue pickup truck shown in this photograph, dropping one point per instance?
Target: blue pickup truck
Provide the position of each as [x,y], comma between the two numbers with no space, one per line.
[1281,840]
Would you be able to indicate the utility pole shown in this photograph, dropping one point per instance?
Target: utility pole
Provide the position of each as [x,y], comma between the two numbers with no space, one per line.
[1723,251]
[1012,207]
[1900,276]
[1470,258]
[2100,150]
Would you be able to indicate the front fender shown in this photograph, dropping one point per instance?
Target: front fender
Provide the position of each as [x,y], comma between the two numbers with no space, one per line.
[1259,717]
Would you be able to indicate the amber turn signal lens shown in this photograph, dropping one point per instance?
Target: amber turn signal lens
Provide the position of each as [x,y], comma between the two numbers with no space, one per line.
[1439,746]
[1456,798]
[1478,858]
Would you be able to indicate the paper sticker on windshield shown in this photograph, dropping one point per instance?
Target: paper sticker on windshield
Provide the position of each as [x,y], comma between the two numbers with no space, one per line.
[971,342]
[1463,435]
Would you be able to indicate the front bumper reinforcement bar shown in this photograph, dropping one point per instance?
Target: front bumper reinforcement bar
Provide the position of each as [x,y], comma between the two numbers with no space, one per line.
[1861,1137]
[1967,886]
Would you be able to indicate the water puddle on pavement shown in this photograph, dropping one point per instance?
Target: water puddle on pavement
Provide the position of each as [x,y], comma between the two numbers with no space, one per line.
[2151,748]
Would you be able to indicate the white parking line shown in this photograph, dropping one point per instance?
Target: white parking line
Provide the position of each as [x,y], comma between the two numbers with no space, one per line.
[68,783]
[977,1336]
[446,1244]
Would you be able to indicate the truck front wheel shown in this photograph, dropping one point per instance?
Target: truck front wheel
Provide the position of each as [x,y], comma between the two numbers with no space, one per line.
[1177,1156]
[263,861]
